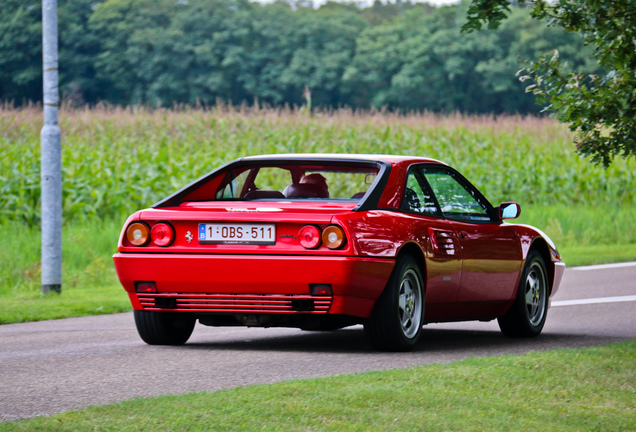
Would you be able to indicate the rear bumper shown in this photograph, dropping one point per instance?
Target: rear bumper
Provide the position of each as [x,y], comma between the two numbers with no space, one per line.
[215,280]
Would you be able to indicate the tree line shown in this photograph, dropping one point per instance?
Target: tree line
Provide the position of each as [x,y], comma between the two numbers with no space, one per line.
[400,56]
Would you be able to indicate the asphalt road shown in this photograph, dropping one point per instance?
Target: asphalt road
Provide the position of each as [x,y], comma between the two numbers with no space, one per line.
[55,366]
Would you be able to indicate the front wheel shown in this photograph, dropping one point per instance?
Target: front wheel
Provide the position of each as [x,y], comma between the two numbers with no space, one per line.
[396,321]
[527,314]
[164,328]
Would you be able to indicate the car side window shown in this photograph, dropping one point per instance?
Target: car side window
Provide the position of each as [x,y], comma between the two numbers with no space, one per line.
[456,200]
[233,185]
[417,198]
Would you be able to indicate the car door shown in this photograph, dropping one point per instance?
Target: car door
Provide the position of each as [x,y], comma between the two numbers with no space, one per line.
[443,260]
[490,250]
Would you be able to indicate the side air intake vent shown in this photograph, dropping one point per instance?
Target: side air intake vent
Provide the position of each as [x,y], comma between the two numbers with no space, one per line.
[444,242]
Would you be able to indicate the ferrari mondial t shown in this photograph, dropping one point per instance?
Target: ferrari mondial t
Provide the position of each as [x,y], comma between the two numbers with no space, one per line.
[321,242]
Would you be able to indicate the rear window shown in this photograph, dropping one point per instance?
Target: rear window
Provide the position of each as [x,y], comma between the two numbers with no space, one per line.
[292,182]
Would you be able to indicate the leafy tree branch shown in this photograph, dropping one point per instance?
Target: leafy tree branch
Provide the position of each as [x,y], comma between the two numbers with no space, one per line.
[599,108]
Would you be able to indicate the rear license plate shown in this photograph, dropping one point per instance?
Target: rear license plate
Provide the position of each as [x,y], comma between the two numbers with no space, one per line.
[230,233]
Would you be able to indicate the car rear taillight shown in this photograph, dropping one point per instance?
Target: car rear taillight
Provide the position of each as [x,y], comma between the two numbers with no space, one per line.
[309,236]
[333,237]
[138,233]
[162,234]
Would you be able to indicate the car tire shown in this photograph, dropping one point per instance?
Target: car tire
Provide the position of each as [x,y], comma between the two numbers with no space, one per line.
[396,321]
[164,328]
[528,313]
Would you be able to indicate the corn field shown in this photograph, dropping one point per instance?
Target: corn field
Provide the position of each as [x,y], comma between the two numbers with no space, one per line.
[118,160]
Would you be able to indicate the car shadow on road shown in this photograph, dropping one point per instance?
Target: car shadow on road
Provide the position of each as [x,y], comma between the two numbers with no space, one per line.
[433,341]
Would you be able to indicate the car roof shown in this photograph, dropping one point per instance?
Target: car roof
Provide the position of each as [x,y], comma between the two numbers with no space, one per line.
[391,159]
[393,166]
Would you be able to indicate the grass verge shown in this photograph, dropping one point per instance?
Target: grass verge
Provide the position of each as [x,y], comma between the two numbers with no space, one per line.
[89,282]
[592,389]
[74,302]
[583,235]
[575,256]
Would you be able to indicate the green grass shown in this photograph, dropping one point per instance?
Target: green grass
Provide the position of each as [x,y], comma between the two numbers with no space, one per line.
[87,251]
[598,254]
[582,225]
[90,285]
[74,302]
[592,389]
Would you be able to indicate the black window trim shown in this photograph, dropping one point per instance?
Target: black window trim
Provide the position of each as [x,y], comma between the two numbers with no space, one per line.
[491,211]
[368,202]
[425,188]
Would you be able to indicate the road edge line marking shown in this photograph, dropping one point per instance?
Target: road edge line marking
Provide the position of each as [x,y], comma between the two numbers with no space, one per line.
[597,300]
[605,266]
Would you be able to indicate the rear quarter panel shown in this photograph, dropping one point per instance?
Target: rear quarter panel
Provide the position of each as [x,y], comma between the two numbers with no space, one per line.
[385,233]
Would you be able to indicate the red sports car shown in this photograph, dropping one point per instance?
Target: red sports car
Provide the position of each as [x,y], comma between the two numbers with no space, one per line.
[321,242]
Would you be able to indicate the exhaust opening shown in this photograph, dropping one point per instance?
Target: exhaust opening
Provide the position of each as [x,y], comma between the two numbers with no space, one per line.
[303,305]
[165,302]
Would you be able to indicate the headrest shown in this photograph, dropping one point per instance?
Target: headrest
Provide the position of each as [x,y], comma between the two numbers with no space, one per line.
[306,190]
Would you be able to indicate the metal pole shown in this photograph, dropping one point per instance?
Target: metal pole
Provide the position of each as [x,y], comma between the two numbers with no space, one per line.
[51,156]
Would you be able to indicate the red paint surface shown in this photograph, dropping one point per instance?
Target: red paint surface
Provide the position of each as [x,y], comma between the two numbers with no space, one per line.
[351,278]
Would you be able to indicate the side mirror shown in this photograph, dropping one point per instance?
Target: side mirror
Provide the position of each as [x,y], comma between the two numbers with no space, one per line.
[509,210]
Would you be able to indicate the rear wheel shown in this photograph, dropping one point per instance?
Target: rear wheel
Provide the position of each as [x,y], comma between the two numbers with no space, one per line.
[164,328]
[396,321]
[527,315]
